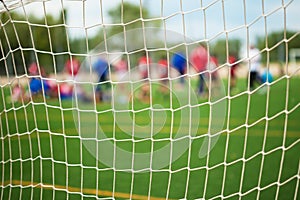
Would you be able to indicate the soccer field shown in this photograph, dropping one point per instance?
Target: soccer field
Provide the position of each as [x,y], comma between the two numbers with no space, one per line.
[257,154]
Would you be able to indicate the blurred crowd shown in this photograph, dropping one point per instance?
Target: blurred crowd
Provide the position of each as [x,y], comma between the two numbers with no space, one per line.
[204,64]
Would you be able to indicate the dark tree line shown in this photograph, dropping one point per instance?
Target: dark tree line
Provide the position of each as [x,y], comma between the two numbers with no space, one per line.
[24,41]
[279,49]
[47,40]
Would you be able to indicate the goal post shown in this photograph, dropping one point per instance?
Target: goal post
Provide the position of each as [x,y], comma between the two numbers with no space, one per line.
[149,99]
[294,54]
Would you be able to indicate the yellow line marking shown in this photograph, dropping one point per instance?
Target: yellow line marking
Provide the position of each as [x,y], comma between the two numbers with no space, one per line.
[80,190]
[239,132]
[104,120]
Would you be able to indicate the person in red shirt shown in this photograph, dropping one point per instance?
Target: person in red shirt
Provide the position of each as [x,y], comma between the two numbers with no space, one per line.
[199,60]
[72,66]
[37,83]
[214,63]
[143,67]
[163,73]
[35,70]
[232,59]
[121,68]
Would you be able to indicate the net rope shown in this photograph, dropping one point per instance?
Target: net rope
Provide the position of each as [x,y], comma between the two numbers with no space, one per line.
[21,120]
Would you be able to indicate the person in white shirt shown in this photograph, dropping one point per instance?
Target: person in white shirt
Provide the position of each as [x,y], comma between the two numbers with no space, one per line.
[255,58]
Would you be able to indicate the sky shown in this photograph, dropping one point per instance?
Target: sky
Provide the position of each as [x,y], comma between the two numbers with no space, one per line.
[209,19]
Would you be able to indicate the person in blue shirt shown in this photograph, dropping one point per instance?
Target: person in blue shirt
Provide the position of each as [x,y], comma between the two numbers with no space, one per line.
[179,63]
[101,68]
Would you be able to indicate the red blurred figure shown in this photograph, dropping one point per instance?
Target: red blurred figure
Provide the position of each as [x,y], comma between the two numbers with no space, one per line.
[33,70]
[199,60]
[143,65]
[214,60]
[72,66]
[163,74]
[18,93]
[214,64]
[121,68]
[163,68]
[232,60]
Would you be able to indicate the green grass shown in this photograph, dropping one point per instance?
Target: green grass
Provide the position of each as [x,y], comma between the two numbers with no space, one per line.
[40,144]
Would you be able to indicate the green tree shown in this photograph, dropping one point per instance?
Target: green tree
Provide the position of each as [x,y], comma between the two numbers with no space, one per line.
[129,14]
[12,42]
[132,24]
[23,43]
[125,17]
[219,49]
[49,35]
[275,42]
[128,22]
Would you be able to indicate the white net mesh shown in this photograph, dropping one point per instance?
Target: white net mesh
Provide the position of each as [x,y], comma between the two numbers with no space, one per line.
[149,99]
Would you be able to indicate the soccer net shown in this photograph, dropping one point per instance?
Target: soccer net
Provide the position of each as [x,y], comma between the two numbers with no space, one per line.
[152,99]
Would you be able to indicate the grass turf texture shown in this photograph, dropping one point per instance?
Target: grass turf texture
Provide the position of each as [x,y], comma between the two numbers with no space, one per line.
[39,155]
